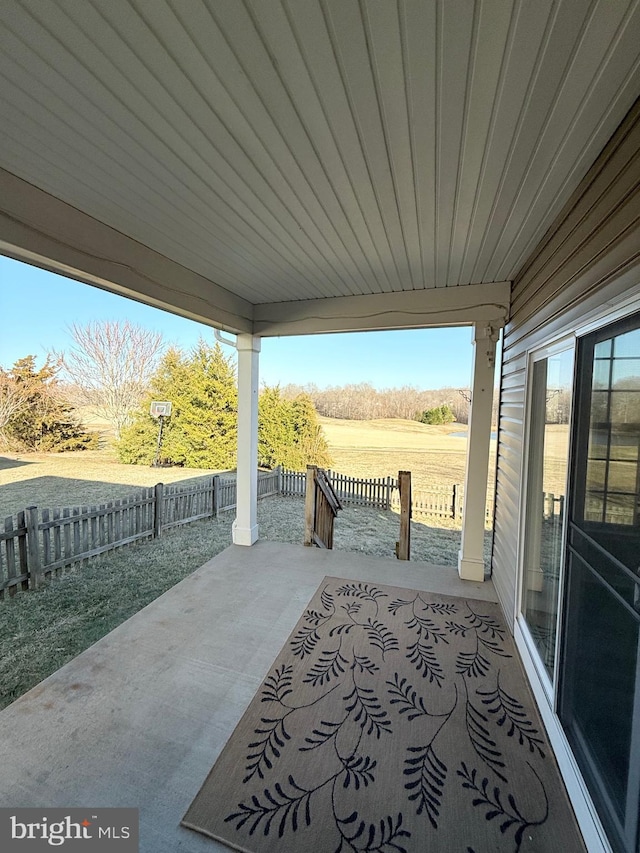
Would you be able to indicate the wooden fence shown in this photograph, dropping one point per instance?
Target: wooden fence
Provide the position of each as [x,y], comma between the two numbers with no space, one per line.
[382,493]
[441,503]
[374,492]
[553,506]
[38,544]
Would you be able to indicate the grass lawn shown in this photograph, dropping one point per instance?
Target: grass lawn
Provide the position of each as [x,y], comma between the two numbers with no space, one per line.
[435,455]
[40,631]
[49,480]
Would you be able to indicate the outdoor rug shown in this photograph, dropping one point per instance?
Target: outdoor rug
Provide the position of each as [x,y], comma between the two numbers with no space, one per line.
[392,720]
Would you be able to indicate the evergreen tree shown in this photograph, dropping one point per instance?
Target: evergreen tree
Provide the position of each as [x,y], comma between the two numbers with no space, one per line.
[43,421]
[310,445]
[202,429]
[275,428]
[289,432]
[447,414]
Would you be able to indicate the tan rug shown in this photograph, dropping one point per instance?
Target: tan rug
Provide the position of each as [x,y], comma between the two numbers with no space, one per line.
[392,720]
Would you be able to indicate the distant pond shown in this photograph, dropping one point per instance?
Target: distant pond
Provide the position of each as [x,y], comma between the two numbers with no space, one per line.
[494,435]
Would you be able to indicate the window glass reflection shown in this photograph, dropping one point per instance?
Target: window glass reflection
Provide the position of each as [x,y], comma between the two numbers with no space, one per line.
[546,486]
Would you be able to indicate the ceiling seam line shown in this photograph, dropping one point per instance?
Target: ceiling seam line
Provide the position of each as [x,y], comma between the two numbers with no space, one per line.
[517,130]
[491,130]
[311,187]
[268,52]
[546,123]
[439,25]
[463,133]
[402,22]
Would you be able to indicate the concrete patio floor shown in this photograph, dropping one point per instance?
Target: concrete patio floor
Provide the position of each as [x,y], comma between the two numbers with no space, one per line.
[139,718]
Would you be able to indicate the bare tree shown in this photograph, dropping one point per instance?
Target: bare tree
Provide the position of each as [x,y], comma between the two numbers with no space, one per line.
[13,396]
[111,363]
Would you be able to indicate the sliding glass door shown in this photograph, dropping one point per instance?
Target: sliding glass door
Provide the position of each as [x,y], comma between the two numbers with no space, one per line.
[580,564]
[599,687]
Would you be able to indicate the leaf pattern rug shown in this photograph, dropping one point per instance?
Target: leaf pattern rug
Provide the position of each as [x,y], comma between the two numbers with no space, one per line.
[392,721]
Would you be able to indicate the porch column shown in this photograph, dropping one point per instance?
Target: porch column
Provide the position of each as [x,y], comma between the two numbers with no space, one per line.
[245,526]
[470,556]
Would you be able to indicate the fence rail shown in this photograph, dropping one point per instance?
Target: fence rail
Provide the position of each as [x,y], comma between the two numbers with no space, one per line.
[38,544]
[374,492]
[382,493]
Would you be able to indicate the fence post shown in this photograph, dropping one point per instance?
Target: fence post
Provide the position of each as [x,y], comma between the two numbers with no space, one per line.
[548,505]
[309,504]
[157,518]
[33,546]
[280,479]
[454,500]
[216,495]
[403,547]
[213,495]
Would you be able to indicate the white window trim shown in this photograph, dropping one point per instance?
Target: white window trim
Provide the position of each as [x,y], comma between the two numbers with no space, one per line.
[561,344]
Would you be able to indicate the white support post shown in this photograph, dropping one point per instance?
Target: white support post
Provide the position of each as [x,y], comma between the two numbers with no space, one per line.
[470,556]
[245,526]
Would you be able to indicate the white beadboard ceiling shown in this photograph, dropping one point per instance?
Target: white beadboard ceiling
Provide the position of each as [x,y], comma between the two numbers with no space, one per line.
[292,150]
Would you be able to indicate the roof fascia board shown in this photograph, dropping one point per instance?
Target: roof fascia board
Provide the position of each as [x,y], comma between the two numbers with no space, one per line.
[443,306]
[42,230]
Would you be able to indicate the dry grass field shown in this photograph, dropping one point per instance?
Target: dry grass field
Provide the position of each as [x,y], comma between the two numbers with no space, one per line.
[556,440]
[435,455]
[377,448]
[48,480]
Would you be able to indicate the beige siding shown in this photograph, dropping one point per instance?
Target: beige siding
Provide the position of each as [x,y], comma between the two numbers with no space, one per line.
[591,255]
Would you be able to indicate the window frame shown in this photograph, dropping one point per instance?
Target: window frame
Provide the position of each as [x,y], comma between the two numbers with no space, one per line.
[566,343]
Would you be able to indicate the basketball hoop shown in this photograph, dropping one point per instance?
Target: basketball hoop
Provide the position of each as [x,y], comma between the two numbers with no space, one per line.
[160,409]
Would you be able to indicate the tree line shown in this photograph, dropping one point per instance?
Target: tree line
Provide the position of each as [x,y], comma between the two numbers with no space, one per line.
[118,368]
[362,401]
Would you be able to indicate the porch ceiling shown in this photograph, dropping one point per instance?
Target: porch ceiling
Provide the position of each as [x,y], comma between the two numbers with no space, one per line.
[275,151]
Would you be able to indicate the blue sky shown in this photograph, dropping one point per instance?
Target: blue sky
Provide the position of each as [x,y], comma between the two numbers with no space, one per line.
[36,308]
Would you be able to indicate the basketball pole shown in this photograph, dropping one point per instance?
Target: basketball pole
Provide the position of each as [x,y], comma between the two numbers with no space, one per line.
[156,461]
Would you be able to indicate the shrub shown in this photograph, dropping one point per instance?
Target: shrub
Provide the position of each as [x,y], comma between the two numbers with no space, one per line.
[440,415]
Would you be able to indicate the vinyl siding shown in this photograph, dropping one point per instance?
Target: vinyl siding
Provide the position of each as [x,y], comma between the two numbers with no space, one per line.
[588,258]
